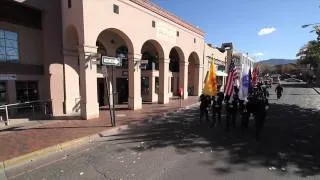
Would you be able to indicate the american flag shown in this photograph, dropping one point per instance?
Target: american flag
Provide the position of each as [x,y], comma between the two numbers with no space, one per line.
[255,75]
[232,77]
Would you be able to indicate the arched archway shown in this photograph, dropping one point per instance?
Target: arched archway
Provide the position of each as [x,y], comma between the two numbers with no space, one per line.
[112,39]
[177,70]
[117,44]
[71,70]
[193,74]
[150,80]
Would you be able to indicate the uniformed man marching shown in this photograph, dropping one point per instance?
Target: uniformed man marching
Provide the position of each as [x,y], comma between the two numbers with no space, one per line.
[205,102]
[235,102]
[217,107]
[260,112]
[229,108]
[244,115]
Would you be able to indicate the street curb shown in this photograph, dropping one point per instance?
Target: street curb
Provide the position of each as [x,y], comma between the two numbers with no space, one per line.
[2,174]
[29,157]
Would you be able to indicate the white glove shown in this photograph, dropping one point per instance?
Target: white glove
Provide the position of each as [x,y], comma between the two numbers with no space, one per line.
[267,107]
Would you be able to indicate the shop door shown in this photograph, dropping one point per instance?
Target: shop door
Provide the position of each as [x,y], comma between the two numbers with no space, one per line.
[123,90]
[101,91]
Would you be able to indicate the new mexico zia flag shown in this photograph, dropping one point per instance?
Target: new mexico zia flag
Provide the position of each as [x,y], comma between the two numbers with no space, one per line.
[210,83]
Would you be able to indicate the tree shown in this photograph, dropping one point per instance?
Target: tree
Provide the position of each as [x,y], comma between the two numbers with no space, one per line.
[310,54]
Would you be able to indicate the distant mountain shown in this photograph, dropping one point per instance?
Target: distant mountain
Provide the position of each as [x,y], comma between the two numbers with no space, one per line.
[277,61]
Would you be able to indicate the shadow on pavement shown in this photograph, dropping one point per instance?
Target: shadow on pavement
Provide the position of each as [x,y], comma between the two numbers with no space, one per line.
[296,85]
[290,139]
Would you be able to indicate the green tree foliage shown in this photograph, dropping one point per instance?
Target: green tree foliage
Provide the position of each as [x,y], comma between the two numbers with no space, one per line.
[310,54]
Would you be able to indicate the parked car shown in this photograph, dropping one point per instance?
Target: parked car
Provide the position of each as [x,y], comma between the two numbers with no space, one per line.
[293,80]
[275,80]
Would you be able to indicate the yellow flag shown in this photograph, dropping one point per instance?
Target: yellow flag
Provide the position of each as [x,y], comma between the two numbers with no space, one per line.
[210,84]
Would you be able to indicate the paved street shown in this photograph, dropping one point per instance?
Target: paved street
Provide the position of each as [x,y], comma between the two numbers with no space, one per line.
[177,147]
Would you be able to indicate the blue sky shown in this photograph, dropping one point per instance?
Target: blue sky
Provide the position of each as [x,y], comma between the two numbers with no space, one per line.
[239,21]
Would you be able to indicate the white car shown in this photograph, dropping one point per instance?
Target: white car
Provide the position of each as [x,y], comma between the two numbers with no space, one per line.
[293,80]
[276,80]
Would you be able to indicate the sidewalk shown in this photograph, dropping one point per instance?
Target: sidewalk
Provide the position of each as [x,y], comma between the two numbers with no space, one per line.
[19,140]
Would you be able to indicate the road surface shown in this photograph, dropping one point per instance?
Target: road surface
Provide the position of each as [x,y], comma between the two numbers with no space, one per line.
[176,146]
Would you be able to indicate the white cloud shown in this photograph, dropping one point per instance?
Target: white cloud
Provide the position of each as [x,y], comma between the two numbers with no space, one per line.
[266,31]
[258,54]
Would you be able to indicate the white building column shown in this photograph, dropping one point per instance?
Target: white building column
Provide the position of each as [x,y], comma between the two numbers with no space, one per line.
[152,87]
[134,99]
[199,78]
[164,84]
[88,83]
[183,78]
[72,89]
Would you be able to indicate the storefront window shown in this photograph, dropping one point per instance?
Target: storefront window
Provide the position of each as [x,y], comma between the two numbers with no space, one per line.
[3,93]
[9,51]
[144,85]
[27,91]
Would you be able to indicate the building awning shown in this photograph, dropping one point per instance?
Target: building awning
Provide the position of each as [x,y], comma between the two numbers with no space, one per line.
[220,73]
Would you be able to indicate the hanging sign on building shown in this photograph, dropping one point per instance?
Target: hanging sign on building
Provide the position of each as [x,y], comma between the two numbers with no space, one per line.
[166,32]
[110,61]
[6,77]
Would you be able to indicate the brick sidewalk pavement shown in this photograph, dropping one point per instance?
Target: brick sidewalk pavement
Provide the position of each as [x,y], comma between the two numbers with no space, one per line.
[17,141]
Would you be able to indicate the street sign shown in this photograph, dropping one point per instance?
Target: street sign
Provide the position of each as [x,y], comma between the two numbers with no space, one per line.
[110,61]
[144,61]
[143,66]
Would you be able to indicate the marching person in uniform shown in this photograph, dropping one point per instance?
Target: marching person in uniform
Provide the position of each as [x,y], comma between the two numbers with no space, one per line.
[265,89]
[279,91]
[205,101]
[260,113]
[229,108]
[217,107]
[234,108]
[243,114]
[249,108]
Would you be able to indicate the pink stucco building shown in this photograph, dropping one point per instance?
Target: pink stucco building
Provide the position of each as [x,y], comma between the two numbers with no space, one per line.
[51,53]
